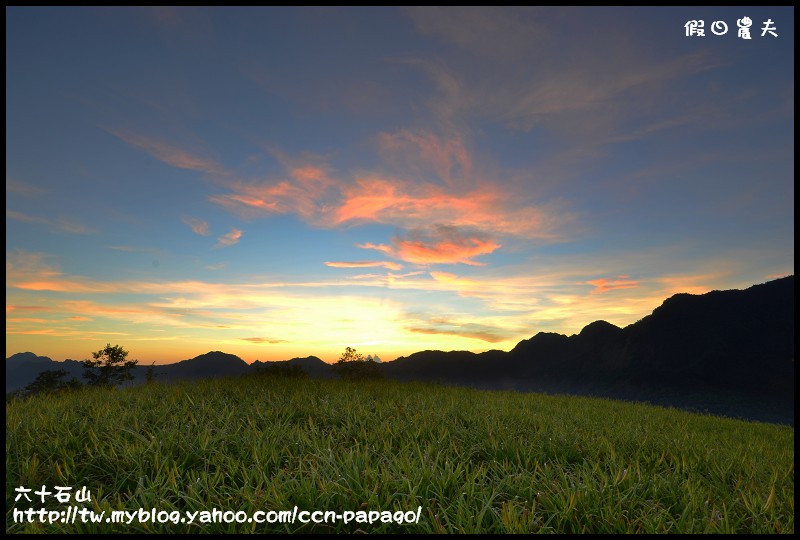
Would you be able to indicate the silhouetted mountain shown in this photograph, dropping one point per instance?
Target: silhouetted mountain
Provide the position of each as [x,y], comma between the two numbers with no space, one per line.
[312,365]
[210,364]
[23,368]
[460,367]
[725,352]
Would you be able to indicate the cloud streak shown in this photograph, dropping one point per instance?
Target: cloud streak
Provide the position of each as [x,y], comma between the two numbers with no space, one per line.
[21,188]
[443,326]
[169,154]
[26,218]
[365,264]
[62,225]
[261,340]
[604,285]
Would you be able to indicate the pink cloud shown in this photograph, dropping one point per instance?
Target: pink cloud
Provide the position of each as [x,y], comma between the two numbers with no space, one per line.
[446,245]
[230,238]
[302,193]
[394,201]
[410,204]
[452,198]
[198,226]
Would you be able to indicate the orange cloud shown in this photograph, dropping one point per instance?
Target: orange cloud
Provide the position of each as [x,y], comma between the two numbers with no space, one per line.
[604,285]
[303,192]
[301,195]
[447,245]
[409,204]
[404,203]
[365,264]
[198,226]
[10,308]
[779,275]
[229,239]
[309,191]
[473,331]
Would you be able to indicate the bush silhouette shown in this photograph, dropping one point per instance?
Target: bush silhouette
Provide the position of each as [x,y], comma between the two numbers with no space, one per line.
[109,367]
[50,382]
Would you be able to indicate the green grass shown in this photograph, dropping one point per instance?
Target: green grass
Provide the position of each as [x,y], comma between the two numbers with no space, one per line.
[475,461]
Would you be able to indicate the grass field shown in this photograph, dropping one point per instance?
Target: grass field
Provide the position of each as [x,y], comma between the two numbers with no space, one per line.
[475,461]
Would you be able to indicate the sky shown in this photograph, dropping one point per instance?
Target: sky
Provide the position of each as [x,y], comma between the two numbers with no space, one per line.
[280,182]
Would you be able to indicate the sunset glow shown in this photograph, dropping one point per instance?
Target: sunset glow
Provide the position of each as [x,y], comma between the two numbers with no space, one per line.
[276,183]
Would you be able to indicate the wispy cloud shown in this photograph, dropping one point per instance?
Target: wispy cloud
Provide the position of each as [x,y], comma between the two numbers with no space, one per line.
[26,218]
[444,326]
[168,153]
[263,340]
[61,225]
[365,264]
[441,191]
[135,249]
[10,308]
[585,95]
[420,151]
[197,225]
[304,192]
[73,227]
[21,188]
[230,238]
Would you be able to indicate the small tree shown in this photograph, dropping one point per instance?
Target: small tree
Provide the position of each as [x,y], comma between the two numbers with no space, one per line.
[351,365]
[150,374]
[350,355]
[109,367]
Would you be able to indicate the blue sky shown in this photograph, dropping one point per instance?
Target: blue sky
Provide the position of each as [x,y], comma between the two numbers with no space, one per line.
[279,182]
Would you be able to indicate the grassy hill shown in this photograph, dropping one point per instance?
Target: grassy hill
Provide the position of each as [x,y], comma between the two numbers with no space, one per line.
[474,461]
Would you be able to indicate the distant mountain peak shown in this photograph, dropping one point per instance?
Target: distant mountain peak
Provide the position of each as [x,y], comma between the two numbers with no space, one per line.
[216,357]
[26,357]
